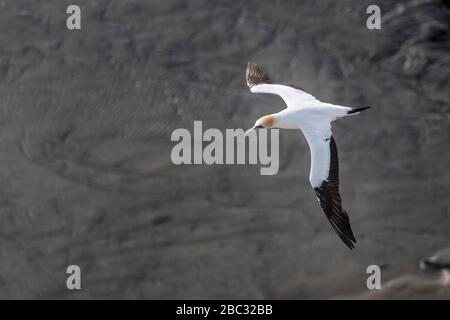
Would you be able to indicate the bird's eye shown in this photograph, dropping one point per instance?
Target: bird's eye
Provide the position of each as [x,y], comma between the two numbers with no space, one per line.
[259,127]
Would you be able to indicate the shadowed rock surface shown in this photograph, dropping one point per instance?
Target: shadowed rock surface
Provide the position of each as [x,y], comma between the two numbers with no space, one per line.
[85,170]
[408,287]
[438,261]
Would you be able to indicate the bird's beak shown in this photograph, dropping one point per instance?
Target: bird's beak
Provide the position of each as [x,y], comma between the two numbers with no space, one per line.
[253,128]
[248,131]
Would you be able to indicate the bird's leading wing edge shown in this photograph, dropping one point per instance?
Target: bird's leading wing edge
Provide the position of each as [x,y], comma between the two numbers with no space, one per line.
[324,178]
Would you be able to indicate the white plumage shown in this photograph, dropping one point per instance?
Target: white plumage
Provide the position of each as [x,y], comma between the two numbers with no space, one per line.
[314,119]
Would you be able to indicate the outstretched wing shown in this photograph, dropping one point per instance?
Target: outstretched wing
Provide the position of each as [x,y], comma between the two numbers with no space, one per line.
[324,178]
[259,82]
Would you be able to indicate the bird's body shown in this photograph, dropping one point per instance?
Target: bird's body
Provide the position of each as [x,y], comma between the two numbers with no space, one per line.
[303,117]
[314,119]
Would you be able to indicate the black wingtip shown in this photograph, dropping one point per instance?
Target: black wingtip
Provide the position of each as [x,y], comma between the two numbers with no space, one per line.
[255,74]
[330,202]
[357,110]
[341,226]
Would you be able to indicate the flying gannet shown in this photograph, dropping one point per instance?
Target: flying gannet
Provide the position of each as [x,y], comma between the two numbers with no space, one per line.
[313,118]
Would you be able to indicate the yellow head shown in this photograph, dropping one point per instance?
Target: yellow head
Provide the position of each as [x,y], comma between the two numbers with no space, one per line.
[263,122]
[266,121]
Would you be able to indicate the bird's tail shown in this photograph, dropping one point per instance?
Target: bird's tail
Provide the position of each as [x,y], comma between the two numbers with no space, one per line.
[357,110]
